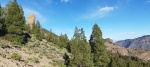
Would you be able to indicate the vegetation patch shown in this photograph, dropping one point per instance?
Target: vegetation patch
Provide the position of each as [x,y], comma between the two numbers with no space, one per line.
[16,56]
[35,60]
[3,55]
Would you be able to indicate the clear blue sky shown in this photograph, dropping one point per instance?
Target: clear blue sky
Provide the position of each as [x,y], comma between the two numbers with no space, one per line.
[118,19]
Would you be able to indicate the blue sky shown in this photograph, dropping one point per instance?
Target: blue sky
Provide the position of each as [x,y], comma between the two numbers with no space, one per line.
[118,19]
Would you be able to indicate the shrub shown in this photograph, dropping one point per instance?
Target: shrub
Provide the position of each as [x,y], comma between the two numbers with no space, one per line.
[44,66]
[40,56]
[26,61]
[16,56]
[3,55]
[54,64]
[35,60]
[3,46]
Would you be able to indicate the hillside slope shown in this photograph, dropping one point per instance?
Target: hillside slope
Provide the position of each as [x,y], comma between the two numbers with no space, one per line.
[35,54]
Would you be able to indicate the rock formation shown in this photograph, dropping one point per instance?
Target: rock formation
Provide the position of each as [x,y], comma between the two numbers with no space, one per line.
[115,48]
[109,40]
[31,20]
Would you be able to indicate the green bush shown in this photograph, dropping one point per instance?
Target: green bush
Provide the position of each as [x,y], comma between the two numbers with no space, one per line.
[40,56]
[44,66]
[35,60]
[3,55]
[16,56]
[3,46]
[54,63]
[26,61]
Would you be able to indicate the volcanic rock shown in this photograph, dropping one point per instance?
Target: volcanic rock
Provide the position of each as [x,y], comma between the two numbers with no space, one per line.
[31,20]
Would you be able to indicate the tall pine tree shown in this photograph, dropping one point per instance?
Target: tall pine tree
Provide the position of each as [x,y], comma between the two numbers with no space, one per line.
[2,25]
[15,22]
[1,20]
[37,31]
[63,41]
[98,49]
[80,49]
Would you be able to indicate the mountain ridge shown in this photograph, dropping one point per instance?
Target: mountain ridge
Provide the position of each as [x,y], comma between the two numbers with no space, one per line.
[137,43]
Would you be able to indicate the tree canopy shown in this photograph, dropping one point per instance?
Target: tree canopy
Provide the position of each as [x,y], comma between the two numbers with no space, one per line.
[98,49]
[15,22]
[80,50]
[2,24]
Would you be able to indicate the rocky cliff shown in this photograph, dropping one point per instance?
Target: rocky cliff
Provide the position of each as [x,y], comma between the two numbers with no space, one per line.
[138,43]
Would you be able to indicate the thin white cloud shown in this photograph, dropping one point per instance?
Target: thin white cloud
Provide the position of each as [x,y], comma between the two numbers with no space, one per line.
[148,1]
[107,9]
[99,13]
[65,1]
[39,16]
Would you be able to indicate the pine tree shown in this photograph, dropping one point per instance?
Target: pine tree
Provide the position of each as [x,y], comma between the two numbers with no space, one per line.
[38,24]
[80,50]
[77,58]
[2,25]
[1,20]
[98,49]
[15,22]
[85,50]
[50,36]
[63,40]
[37,31]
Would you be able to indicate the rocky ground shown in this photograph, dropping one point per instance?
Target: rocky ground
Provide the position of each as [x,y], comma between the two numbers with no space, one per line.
[35,54]
[46,54]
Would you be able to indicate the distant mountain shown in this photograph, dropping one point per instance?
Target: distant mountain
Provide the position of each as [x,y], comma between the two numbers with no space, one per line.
[140,42]
[140,53]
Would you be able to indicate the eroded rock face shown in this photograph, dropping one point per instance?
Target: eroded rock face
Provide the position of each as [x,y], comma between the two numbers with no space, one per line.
[31,20]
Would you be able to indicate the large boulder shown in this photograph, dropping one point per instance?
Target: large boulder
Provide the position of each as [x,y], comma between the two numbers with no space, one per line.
[31,20]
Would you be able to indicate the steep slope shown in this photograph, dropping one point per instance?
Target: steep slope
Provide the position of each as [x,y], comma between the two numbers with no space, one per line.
[141,42]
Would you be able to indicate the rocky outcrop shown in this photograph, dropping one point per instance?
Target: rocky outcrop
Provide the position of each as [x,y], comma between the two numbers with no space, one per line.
[108,40]
[31,20]
[116,49]
[138,43]
[113,48]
